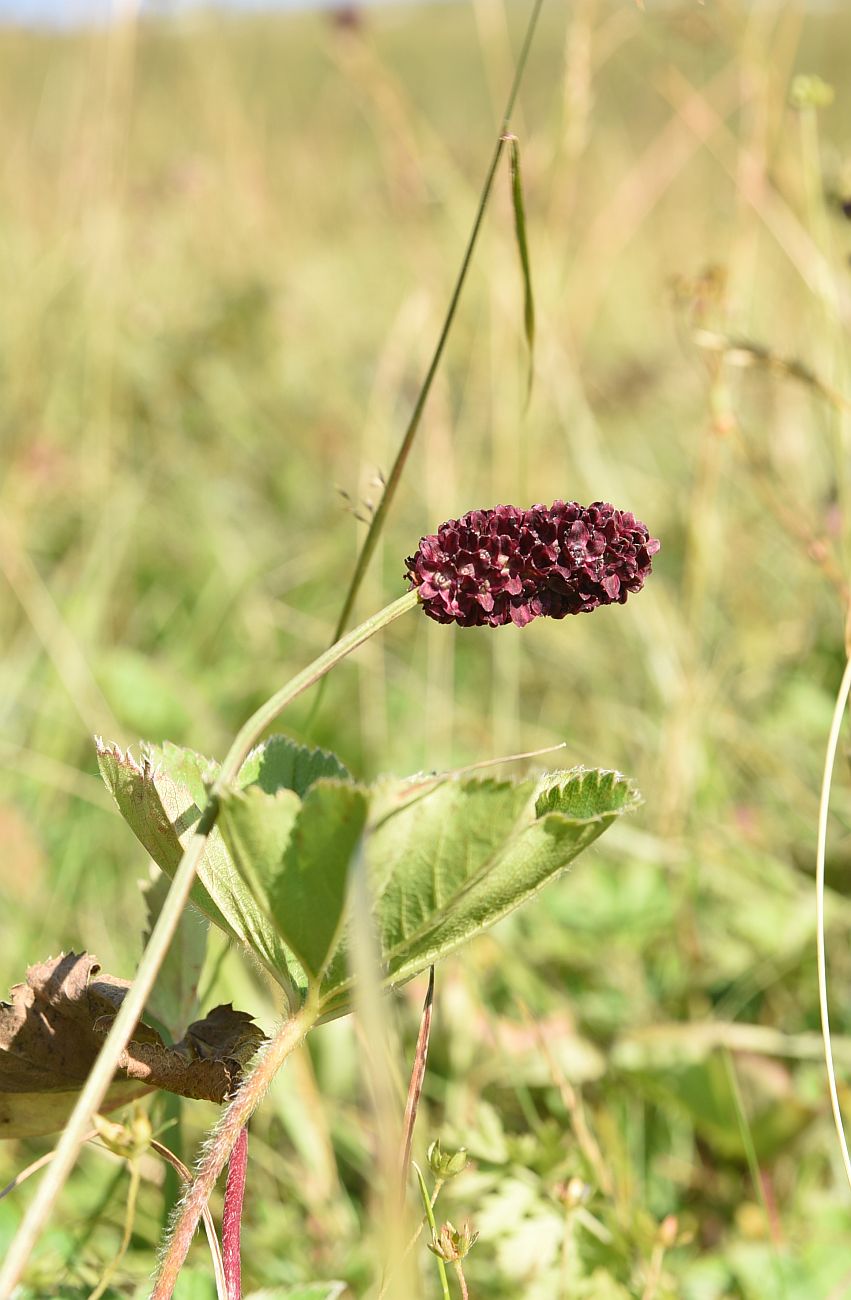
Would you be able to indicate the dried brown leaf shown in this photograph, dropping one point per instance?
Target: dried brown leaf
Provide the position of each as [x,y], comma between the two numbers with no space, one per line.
[54,1026]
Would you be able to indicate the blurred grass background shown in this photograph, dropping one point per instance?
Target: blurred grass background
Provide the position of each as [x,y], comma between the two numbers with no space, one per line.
[226,247]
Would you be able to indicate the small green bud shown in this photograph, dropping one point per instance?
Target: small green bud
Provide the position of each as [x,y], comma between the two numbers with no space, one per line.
[452,1246]
[446,1164]
[810,92]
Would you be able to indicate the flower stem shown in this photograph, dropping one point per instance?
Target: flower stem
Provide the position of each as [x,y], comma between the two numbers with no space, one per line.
[428,1206]
[232,1215]
[224,1138]
[462,1281]
[125,1022]
[250,733]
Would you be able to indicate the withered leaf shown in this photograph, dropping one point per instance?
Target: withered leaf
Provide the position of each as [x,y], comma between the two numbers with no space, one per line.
[53,1028]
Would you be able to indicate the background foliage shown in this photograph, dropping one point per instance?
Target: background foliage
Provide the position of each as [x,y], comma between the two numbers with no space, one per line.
[225,250]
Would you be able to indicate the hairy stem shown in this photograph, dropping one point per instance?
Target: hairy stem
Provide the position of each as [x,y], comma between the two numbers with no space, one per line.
[232,1215]
[213,1241]
[125,1022]
[222,1142]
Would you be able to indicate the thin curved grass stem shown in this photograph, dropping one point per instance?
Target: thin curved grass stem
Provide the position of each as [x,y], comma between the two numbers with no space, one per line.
[415,1087]
[394,477]
[824,804]
[35,1166]
[126,1236]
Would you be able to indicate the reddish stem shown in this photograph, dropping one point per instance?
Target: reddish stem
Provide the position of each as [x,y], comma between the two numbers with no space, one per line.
[417,1079]
[232,1216]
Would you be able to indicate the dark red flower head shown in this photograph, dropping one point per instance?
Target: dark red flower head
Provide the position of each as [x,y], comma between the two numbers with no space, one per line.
[509,565]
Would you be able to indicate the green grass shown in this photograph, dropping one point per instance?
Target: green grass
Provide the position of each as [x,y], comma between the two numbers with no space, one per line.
[224,260]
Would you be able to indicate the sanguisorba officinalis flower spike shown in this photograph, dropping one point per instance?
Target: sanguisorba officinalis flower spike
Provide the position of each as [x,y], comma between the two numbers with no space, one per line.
[509,565]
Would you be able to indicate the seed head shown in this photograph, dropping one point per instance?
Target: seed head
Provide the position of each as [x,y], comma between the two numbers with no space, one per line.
[509,565]
[451,1244]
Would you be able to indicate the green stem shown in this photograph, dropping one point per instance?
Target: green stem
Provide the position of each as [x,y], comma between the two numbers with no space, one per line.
[248,735]
[126,1236]
[385,1282]
[429,1210]
[377,522]
[223,1140]
[133,1005]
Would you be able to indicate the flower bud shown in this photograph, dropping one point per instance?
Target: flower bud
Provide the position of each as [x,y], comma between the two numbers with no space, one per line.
[509,565]
[446,1164]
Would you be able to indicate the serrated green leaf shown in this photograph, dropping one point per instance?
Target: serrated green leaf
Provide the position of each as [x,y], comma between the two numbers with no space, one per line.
[280,764]
[444,858]
[257,828]
[450,861]
[161,799]
[297,855]
[584,794]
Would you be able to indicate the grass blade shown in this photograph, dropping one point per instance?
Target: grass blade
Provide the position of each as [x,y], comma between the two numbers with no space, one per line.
[829,762]
[523,251]
[417,1077]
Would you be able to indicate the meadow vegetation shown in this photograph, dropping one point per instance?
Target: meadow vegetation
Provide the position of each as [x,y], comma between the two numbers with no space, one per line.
[226,249]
